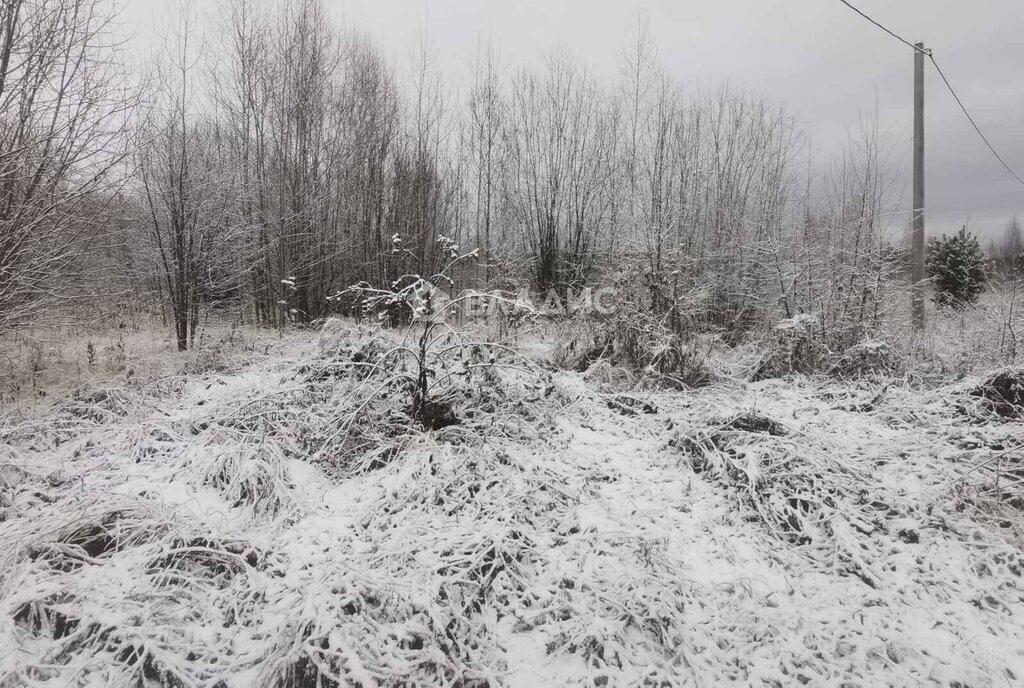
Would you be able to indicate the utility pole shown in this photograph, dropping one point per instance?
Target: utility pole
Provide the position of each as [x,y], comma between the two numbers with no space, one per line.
[917,233]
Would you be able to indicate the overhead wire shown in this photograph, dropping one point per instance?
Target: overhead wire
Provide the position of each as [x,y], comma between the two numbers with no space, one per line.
[949,86]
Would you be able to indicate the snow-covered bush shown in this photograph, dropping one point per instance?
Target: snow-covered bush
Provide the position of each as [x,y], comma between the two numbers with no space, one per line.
[344,347]
[1003,391]
[356,412]
[635,344]
[795,346]
[652,335]
[870,357]
[438,352]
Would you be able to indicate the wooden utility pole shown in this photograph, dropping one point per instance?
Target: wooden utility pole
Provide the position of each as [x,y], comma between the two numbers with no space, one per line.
[917,234]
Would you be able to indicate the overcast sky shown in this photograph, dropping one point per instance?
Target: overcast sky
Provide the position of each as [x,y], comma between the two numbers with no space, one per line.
[824,62]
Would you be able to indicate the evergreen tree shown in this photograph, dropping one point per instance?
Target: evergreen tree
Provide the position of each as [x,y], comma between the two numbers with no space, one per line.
[956,268]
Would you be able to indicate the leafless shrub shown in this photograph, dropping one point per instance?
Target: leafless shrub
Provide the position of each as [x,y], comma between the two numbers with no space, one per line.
[970,341]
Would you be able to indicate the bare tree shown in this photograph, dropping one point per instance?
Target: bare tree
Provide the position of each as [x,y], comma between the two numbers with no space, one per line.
[640,76]
[486,118]
[1007,252]
[64,106]
[179,163]
[368,112]
[327,174]
[558,147]
[841,253]
[243,80]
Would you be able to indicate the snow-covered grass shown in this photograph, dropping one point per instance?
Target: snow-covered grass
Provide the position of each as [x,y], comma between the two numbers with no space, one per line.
[284,524]
[54,360]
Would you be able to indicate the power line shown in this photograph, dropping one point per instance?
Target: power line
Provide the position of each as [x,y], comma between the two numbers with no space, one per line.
[971,120]
[883,28]
[948,85]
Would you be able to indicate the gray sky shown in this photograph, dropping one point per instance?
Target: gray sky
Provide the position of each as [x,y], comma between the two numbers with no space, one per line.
[826,63]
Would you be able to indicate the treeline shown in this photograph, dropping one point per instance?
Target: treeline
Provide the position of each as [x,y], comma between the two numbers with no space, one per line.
[1006,253]
[273,164]
[309,157]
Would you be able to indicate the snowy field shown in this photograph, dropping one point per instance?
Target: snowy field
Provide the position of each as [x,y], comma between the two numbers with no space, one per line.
[277,523]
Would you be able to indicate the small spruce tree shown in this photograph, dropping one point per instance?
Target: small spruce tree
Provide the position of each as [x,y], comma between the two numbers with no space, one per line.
[956,268]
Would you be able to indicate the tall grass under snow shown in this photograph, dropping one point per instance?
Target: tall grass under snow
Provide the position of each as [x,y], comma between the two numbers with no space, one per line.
[292,525]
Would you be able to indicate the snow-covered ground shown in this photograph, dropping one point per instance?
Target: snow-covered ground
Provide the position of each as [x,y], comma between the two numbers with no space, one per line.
[243,528]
